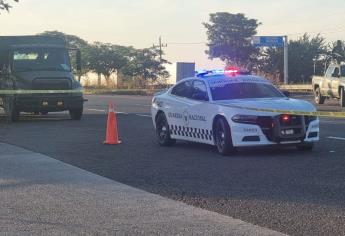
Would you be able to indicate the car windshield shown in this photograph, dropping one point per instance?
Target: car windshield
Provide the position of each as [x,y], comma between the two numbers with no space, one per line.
[230,91]
[43,59]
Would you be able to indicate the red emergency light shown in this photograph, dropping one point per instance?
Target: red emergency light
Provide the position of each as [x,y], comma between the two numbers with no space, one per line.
[232,71]
[285,118]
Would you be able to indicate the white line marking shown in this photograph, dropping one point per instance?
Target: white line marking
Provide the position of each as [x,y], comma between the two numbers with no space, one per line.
[96,110]
[99,110]
[338,138]
[143,105]
[143,115]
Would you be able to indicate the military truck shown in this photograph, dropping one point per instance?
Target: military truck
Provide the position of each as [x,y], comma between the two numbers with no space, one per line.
[36,76]
[331,85]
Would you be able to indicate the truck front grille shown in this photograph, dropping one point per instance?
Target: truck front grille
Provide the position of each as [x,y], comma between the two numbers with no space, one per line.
[52,84]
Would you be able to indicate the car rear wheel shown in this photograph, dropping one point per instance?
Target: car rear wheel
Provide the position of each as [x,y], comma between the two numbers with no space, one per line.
[222,135]
[163,131]
[76,114]
[319,99]
[305,146]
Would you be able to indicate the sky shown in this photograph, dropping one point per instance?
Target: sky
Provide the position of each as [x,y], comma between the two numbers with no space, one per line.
[139,23]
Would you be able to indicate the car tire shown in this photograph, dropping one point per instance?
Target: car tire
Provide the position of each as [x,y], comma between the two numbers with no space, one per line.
[163,131]
[342,97]
[76,114]
[222,135]
[319,99]
[305,146]
[11,110]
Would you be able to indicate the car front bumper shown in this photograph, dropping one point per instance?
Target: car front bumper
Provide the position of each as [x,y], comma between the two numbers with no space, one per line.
[244,135]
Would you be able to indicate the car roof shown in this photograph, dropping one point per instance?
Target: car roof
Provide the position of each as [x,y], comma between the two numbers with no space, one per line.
[228,79]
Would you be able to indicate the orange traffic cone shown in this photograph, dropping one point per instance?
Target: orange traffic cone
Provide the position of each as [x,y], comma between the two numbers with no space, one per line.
[112,136]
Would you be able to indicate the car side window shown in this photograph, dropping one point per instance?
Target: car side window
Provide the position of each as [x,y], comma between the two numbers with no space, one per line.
[199,91]
[329,71]
[182,89]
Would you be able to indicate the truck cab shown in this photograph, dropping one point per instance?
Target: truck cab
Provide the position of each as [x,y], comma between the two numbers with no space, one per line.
[36,76]
[331,85]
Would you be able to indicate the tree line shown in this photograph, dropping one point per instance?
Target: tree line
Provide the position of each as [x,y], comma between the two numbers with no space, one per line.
[229,39]
[138,67]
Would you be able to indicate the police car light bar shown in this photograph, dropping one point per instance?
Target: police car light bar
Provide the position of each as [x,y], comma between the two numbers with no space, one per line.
[233,71]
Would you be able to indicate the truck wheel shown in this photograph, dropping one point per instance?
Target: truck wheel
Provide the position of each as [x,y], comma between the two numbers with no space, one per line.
[305,146]
[163,131]
[222,135]
[76,114]
[10,109]
[319,99]
[342,97]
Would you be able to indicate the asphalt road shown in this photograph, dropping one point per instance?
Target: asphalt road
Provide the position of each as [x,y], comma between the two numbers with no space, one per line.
[298,193]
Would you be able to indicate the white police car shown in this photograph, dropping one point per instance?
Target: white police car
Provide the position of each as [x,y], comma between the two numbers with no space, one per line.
[230,109]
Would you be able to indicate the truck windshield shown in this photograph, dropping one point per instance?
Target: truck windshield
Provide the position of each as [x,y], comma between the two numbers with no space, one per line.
[230,91]
[41,59]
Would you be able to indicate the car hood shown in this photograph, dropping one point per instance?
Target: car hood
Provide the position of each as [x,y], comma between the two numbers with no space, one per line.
[286,104]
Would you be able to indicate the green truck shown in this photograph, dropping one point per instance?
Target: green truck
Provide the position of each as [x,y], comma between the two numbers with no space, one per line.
[36,76]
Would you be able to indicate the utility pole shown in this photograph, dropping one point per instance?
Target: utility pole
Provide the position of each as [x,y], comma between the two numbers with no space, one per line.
[286,60]
[160,46]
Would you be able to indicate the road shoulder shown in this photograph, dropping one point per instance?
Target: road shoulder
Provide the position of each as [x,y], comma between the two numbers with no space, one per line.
[43,196]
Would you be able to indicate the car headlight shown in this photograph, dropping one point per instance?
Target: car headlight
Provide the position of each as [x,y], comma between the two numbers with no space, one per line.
[246,119]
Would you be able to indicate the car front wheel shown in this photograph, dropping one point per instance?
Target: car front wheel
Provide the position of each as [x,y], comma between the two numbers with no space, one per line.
[222,135]
[163,131]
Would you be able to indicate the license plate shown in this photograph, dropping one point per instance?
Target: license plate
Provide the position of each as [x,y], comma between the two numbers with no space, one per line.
[60,103]
[288,132]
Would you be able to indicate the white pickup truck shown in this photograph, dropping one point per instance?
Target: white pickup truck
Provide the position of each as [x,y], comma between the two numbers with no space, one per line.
[331,85]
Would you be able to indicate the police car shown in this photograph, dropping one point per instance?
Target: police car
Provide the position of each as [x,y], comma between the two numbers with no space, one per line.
[231,109]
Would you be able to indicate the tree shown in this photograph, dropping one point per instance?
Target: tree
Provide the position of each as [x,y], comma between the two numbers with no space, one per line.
[5,6]
[229,38]
[106,59]
[305,54]
[271,62]
[74,42]
[145,65]
[338,51]
[302,54]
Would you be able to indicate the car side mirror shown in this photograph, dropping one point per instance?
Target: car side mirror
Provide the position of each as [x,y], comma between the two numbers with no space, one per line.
[286,93]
